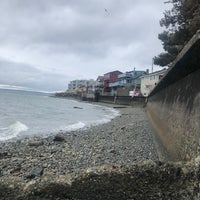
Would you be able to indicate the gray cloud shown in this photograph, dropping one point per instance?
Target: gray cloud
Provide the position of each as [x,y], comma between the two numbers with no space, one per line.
[23,75]
[76,38]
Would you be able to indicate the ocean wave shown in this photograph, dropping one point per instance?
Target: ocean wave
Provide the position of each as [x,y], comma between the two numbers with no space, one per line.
[12,131]
[75,126]
[109,114]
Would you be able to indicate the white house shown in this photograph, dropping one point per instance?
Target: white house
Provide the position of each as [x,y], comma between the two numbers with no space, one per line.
[81,84]
[149,81]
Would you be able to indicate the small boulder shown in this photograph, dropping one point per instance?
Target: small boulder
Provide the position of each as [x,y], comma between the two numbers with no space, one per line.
[59,138]
[36,172]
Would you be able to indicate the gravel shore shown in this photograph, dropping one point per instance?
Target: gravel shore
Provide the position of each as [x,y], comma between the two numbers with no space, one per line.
[125,140]
[117,160]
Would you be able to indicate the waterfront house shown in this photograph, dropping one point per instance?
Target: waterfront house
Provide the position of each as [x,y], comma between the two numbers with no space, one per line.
[149,81]
[99,84]
[77,84]
[81,85]
[126,82]
[109,78]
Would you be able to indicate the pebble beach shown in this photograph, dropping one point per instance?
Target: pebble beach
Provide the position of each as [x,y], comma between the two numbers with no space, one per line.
[125,140]
[116,160]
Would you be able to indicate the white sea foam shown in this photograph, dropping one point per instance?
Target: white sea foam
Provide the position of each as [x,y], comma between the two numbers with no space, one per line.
[76,126]
[112,112]
[106,118]
[12,131]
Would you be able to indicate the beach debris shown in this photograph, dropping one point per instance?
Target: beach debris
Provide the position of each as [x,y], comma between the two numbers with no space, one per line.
[35,143]
[119,106]
[16,169]
[76,107]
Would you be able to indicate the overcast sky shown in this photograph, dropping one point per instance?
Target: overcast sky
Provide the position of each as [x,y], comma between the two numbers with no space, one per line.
[46,43]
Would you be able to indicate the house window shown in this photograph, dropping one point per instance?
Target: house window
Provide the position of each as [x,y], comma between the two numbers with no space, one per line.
[152,77]
[148,78]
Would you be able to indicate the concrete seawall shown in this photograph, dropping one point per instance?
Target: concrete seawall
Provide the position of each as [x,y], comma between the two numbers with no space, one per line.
[173,106]
[123,100]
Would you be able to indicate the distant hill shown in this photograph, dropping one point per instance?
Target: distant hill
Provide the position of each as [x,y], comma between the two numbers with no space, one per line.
[25,92]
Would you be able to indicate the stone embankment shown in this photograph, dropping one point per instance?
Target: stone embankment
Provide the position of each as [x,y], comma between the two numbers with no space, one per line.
[176,100]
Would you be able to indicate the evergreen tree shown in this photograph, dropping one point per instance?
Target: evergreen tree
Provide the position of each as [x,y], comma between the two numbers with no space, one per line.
[181,23]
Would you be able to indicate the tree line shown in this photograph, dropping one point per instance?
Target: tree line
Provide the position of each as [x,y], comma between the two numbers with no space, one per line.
[180,22]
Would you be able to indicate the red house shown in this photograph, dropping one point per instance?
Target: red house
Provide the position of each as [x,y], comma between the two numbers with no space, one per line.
[110,77]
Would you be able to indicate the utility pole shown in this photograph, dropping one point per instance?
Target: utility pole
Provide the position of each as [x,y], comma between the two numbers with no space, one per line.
[134,82]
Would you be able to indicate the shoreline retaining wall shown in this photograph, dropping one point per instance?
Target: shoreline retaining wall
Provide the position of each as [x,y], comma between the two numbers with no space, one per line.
[174,104]
[123,100]
[120,100]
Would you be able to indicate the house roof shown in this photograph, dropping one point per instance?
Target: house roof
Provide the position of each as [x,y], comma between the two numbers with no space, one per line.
[100,78]
[113,72]
[155,73]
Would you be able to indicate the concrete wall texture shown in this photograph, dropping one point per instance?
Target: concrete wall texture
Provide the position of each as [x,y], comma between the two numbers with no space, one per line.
[123,100]
[175,114]
[174,105]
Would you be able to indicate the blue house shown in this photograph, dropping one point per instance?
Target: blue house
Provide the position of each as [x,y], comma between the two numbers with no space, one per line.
[129,81]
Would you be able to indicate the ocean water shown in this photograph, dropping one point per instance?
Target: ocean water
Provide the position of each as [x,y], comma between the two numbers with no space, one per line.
[25,114]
